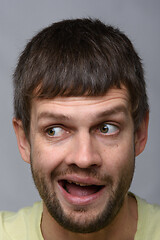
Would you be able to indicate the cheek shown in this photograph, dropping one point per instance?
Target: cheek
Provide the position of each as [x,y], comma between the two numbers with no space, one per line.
[119,155]
[46,158]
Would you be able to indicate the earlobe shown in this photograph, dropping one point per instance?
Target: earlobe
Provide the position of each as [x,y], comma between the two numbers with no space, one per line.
[141,135]
[22,141]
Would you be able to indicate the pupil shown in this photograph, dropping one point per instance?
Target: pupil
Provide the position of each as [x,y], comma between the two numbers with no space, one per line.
[51,132]
[104,129]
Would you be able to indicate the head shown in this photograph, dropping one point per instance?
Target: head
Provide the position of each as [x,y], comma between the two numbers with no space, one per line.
[81,57]
[80,119]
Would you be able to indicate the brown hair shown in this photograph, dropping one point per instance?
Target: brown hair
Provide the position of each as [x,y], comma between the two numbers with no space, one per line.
[75,58]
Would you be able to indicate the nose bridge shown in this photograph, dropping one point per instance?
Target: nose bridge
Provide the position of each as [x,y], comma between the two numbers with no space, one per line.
[85,153]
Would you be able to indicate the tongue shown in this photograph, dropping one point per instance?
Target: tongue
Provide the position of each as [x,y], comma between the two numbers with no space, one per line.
[80,191]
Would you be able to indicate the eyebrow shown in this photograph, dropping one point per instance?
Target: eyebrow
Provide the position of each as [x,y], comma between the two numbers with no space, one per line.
[50,115]
[62,117]
[112,111]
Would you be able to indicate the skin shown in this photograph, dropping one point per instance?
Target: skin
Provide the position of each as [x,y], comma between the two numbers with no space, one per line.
[68,141]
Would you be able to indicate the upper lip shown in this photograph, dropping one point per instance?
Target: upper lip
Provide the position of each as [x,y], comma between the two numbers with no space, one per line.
[81,180]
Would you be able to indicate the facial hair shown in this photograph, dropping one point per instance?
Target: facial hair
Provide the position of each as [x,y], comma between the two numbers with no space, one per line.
[90,223]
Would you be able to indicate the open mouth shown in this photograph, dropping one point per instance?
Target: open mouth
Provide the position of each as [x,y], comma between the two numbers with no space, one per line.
[79,189]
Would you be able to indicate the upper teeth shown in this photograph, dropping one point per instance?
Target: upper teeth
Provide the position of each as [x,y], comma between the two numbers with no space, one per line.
[80,184]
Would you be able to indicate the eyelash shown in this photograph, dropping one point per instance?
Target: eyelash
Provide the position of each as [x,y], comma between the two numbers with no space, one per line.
[110,127]
[54,127]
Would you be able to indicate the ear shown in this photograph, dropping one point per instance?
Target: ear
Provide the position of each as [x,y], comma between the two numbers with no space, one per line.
[141,135]
[23,143]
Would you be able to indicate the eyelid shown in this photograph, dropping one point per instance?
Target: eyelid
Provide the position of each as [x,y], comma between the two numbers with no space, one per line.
[55,126]
[113,125]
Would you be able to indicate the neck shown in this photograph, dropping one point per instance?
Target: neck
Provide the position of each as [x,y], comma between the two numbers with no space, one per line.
[123,227]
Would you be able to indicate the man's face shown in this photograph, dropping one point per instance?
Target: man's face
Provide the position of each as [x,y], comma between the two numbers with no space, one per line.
[82,157]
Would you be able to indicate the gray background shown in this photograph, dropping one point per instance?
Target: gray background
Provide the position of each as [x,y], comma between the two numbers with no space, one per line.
[19,21]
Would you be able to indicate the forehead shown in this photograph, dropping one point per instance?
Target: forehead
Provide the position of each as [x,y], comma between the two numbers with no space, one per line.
[114,99]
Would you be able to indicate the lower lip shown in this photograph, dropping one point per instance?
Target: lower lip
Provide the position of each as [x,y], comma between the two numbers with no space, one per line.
[80,201]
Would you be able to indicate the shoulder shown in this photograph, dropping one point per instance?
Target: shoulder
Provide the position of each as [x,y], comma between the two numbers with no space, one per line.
[148,220]
[17,225]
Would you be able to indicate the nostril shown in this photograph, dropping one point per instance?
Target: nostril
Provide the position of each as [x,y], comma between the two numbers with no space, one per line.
[93,165]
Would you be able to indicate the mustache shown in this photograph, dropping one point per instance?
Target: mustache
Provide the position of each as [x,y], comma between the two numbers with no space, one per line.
[86,172]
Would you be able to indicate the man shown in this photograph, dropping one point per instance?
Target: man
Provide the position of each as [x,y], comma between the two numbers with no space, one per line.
[81,118]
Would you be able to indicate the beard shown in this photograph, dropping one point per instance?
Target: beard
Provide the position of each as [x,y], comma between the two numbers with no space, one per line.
[85,222]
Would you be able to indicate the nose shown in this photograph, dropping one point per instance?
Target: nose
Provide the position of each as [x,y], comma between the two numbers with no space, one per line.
[84,152]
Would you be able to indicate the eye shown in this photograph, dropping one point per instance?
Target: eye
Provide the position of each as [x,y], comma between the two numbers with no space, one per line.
[55,131]
[108,129]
